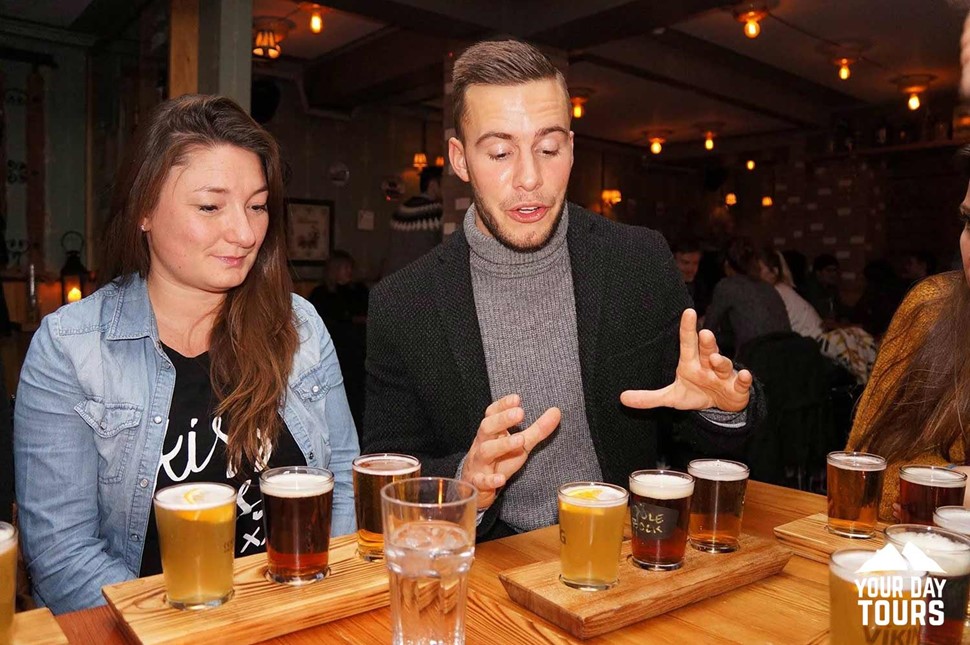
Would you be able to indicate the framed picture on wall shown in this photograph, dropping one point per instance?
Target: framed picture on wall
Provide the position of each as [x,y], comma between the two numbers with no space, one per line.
[309,231]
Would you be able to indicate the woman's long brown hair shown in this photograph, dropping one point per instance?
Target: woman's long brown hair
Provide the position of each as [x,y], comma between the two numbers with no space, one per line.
[927,409]
[254,338]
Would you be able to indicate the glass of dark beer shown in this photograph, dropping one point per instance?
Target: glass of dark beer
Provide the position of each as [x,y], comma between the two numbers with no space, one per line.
[371,474]
[950,551]
[854,490]
[297,502]
[923,489]
[717,504]
[659,514]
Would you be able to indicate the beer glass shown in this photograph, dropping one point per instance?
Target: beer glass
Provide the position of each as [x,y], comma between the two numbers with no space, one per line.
[951,551]
[8,580]
[297,501]
[854,490]
[659,513]
[429,545]
[923,489]
[590,534]
[371,474]
[196,537]
[956,519]
[717,504]
[846,625]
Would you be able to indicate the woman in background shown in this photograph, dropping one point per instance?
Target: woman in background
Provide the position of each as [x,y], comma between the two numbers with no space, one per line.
[850,346]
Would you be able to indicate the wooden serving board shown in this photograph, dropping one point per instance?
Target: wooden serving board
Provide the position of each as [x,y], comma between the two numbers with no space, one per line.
[260,609]
[809,538]
[37,627]
[640,594]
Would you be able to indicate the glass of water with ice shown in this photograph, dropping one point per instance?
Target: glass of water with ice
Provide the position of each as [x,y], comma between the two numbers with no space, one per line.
[429,545]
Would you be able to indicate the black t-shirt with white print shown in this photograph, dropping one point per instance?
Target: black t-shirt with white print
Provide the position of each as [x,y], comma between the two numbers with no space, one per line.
[194,450]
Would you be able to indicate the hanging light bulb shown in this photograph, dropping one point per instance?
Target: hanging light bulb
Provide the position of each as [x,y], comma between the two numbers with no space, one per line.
[751,13]
[579,110]
[316,22]
[656,145]
[730,199]
[709,141]
[844,71]
[266,44]
[577,99]
[751,28]
[767,202]
[914,85]
[750,164]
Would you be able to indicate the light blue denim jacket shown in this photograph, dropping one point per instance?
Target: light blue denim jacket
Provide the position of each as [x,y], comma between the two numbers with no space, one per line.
[91,413]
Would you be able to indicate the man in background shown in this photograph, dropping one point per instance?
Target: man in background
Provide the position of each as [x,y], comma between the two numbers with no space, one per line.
[416,224]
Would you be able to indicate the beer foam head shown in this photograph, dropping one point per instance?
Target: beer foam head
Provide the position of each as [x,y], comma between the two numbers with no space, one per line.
[296,484]
[192,497]
[592,494]
[954,518]
[951,554]
[718,470]
[661,486]
[386,465]
[6,535]
[846,565]
[857,461]
[939,477]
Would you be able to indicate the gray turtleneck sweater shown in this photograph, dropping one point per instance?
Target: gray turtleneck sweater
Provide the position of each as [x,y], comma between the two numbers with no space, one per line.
[527,316]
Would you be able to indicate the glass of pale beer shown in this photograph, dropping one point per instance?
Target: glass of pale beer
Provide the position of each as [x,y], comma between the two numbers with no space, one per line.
[297,503]
[951,552]
[196,537]
[590,534]
[371,474]
[717,504]
[854,490]
[8,580]
[847,587]
[923,489]
[659,515]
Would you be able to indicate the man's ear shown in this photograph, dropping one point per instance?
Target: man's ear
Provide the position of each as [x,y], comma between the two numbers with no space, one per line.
[456,153]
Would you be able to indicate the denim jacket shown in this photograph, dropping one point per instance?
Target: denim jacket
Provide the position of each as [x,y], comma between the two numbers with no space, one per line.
[91,414]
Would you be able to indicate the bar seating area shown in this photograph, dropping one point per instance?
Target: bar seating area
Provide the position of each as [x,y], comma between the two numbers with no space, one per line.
[493,321]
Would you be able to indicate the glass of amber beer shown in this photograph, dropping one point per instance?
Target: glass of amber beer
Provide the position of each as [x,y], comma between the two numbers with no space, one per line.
[590,534]
[951,552]
[297,502]
[847,587]
[196,537]
[8,580]
[923,489]
[854,490]
[717,504]
[659,514]
[371,474]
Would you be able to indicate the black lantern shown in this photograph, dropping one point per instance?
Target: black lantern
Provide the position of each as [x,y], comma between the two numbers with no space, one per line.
[74,277]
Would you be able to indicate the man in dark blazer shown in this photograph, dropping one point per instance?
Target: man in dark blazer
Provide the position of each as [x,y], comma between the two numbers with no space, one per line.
[539,344]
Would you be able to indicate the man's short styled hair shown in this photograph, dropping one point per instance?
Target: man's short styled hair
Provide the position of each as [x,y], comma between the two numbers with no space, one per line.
[499,62]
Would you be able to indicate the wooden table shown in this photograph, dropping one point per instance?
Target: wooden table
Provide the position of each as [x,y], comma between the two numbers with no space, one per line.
[788,608]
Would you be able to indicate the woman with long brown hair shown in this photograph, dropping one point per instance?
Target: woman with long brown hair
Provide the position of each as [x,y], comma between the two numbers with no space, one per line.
[916,408]
[193,361]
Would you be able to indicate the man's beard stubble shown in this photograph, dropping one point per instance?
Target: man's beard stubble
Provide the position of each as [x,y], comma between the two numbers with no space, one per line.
[504,240]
